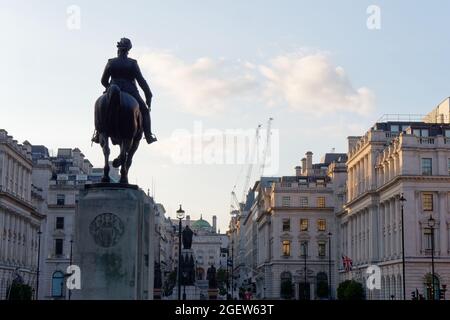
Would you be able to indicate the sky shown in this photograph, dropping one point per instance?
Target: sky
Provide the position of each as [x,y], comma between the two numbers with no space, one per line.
[323,70]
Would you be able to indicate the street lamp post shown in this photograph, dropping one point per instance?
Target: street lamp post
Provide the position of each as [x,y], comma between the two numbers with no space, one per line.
[305,270]
[232,269]
[180,216]
[184,285]
[402,201]
[329,264]
[431,223]
[38,264]
[70,263]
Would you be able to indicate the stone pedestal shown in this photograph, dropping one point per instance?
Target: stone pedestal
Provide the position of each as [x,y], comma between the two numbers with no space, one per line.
[192,292]
[114,226]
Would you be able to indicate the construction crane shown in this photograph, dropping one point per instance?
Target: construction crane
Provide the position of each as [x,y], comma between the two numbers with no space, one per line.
[252,154]
[266,147]
[236,205]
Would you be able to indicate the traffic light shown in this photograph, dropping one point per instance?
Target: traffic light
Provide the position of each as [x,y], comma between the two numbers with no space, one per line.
[413,295]
[441,295]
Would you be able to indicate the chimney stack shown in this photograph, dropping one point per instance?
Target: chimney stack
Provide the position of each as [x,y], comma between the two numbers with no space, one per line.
[309,155]
[214,223]
[298,171]
[303,166]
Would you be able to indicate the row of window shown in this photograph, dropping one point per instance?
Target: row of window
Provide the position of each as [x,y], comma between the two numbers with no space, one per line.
[427,166]
[286,201]
[321,248]
[304,182]
[304,224]
[417,132]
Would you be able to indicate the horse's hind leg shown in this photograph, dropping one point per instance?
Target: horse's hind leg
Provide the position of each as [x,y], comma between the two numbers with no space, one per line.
[104,142]
[132,151]
[124,151]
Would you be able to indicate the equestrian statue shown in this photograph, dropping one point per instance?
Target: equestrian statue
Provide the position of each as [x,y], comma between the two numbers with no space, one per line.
[120,113]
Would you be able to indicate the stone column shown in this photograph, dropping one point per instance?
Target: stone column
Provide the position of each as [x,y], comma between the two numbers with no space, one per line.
[443,230]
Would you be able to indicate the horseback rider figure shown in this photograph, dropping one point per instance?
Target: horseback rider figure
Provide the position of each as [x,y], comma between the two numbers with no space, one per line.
[124,72]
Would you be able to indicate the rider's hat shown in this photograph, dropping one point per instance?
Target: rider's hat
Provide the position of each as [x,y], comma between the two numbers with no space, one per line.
[124,43]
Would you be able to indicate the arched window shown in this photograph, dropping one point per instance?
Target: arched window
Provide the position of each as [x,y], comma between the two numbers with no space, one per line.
[322,285]
[429,288]
[57,284]
[286,276]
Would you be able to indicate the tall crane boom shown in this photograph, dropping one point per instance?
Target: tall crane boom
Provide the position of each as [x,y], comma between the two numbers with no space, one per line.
[266,147]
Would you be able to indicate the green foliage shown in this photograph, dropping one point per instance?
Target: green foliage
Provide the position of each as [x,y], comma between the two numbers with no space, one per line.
[350,290]
[170,282]
[286,289]
[222,277]
[322,289]
[19,291]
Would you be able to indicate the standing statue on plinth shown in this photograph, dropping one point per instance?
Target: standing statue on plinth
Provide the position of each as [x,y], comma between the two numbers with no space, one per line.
[211,276]
[120,113]
[187,237]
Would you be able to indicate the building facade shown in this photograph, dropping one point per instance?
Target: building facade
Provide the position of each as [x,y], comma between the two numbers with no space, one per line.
[395,159]
[288,230]
[60,178]
[20,215]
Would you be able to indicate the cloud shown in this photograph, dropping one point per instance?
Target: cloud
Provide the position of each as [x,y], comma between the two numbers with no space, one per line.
[204,87]
[312,84]
[302,81]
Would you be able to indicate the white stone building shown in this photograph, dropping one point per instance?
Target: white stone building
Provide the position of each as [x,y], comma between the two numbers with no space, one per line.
[20,214]
[163,244]
[394,158]
[60,178]
[291,216]
[206,244]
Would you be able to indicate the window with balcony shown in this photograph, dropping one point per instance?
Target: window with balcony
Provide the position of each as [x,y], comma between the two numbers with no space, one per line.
[60,199]
[285,201]
[427,202]
[59,223]
[322,248]
[303,202]
[321,202]
[421,132]
[320,182]
[303,224]
[286,248]
[321,225]
[286,224]
[303,181]
[427,166]
[59,247]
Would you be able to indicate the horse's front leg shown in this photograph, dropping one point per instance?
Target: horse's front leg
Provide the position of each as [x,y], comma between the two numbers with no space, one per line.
[104,142]
[124,151]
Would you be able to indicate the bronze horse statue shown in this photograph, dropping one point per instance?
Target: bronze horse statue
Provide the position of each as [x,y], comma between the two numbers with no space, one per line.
[117,117]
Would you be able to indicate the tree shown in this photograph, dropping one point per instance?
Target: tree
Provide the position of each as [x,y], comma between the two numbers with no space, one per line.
[286,289]
[19,291]
[170,282]
[350,290]
[222,277]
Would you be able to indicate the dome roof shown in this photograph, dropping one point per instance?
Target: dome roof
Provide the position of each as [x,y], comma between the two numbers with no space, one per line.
[201,224]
